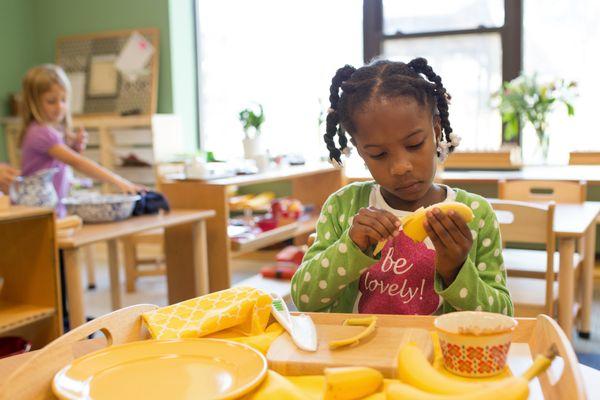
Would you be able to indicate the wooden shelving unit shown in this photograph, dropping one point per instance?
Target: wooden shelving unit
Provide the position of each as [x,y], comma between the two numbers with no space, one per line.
[311,184]
[30,304]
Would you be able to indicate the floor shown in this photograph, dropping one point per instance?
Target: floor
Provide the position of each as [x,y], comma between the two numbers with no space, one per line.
[152,289]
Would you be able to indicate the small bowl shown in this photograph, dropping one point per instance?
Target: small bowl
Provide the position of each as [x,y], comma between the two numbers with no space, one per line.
[475,343]
[267,224]
[101,208]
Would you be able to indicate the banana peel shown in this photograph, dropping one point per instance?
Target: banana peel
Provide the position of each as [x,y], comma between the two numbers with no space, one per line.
[412,224]
[370,322]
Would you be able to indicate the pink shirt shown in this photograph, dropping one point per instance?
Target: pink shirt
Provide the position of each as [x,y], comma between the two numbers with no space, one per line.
[34,157]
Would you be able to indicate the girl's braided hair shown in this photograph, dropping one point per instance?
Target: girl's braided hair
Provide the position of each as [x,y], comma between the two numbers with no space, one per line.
[388,79]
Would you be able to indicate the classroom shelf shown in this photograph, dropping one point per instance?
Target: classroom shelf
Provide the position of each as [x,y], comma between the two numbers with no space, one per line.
[13,316]
[281,233]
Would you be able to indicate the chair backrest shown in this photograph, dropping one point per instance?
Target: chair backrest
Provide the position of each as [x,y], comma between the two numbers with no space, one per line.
[557,191]
[33,379]
[584,158]
[522,222]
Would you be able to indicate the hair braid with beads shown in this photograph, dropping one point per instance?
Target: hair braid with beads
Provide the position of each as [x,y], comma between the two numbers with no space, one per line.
[385,79]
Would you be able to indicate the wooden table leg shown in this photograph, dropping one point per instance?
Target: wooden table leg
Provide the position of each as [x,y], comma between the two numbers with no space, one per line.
[186,258]
[74,287]
[201,258]
[113,270]
[88,252]
[587,281]
[566,289]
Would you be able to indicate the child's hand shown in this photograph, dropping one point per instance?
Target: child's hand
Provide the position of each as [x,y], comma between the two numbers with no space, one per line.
[452,240]
[372,225]
[81,139]
[7,175]
[131,188]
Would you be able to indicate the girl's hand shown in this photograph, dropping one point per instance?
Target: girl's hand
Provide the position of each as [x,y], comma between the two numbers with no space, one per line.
[7,175]
[372,225]
[452,240]
[81,139]
[130,188]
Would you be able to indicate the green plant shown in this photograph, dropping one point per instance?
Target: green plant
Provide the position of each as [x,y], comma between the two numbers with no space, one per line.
[524,99]
[251,121]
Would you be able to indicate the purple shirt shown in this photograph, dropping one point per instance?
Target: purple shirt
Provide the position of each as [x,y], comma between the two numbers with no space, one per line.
[35,157]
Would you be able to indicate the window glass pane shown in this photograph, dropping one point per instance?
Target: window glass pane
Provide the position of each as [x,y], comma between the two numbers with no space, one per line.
[570,52]
[281,54]
[471,69]
[440,15]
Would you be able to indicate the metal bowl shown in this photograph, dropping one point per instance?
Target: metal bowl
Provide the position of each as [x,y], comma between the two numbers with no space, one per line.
[101,208]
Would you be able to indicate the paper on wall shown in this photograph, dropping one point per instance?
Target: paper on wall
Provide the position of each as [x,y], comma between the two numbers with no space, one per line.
[77,80]
[134,56]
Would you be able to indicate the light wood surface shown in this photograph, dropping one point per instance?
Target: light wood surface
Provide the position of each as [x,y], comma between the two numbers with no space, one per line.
[500,159]
[530,337]
[588,173]
[92,233]
[379,350]
[30,298]
[32,380]
[584,157]
[311,184]
[535,190]
[185,248]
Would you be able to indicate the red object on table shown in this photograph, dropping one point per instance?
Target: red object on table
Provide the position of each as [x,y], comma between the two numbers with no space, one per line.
[279,271]
[293,254]
[12,345]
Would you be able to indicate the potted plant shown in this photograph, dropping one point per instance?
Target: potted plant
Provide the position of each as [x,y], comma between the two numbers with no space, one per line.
[251,122]
[525,100]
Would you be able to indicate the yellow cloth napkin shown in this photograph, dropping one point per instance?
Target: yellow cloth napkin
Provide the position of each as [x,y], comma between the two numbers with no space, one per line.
[244,308]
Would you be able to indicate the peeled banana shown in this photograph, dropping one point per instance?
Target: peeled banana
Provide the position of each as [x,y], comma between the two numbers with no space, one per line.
[415,370]
[348,383]
[412,224]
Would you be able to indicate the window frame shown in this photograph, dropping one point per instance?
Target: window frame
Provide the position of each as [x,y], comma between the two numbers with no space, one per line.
[511,38]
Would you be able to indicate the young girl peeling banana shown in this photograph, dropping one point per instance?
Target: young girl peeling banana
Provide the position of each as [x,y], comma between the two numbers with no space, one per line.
[396,116]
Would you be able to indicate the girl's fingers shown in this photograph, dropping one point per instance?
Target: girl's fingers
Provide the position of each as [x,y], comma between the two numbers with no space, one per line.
[460,224]
[449,226]
[382,220]
[439,229]
[437,243]
[373,223]
[368,231]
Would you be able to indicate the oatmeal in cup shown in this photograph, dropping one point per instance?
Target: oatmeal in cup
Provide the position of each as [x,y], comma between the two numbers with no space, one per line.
[475,343]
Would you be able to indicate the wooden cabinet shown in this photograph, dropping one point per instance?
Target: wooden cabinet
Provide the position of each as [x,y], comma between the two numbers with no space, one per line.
[30,304]
[310,184]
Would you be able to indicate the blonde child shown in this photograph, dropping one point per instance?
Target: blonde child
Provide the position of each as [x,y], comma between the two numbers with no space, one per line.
[396,115]
[48,140]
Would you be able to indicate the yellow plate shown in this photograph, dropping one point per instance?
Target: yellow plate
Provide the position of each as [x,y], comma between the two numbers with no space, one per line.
[163,369]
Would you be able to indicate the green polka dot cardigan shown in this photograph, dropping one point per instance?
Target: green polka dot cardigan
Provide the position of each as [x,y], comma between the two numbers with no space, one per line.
[328,278]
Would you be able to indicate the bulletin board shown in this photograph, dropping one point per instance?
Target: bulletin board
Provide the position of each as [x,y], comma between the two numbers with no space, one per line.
[99,84]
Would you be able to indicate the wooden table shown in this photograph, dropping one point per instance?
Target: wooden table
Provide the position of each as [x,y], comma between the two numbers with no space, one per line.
[589,173]
[185,250]
[574,222]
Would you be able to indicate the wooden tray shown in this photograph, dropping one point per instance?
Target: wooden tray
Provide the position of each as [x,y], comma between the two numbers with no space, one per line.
[531,337]
[378,350]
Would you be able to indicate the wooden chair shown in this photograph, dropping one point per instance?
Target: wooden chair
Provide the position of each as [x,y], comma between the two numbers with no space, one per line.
[557,191]
[33,379]
[522,222]
[584,158]
[132,261]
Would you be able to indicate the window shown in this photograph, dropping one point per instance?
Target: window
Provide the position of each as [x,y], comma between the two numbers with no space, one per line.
[568,52]
[281,54]
[469,43]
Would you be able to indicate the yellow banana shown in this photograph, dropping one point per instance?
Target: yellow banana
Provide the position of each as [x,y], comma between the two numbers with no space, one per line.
[513,388]
[415,370]
[276,386]
[348,383]
[412,224]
